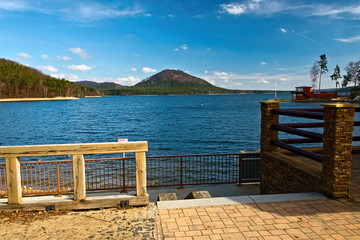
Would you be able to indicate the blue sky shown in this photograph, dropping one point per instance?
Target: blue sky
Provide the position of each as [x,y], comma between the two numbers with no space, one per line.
[240,44]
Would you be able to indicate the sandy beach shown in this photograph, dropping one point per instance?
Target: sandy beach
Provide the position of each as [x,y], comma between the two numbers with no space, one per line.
[131,223]
[36,99]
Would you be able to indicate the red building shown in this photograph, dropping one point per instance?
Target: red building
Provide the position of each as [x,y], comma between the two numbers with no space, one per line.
[306,92]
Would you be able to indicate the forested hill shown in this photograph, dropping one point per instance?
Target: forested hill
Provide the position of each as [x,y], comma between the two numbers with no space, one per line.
[171,81]
[20,81]
[104,85]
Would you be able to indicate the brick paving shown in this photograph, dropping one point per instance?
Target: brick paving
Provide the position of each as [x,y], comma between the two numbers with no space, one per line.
[320,219]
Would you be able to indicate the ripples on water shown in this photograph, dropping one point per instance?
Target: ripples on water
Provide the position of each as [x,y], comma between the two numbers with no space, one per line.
[172,125]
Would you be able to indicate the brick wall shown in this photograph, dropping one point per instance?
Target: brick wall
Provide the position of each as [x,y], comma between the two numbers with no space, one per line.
[281,172]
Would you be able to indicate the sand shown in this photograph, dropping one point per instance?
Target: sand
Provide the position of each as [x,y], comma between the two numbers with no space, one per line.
[131,223]
[36,99]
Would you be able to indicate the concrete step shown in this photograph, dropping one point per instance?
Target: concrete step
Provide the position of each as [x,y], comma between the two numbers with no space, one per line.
[241,200]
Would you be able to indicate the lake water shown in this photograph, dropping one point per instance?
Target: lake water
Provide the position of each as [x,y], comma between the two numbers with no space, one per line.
[195,124]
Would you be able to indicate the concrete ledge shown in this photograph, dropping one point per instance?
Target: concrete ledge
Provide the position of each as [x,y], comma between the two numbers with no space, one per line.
[241,200]
[204,202]
[288,197]
[66,202]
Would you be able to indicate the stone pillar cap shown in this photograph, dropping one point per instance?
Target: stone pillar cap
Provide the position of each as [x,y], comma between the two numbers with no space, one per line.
[339,105]
[271,101]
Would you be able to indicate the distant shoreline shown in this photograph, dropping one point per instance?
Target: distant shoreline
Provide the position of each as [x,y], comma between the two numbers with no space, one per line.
[36,99]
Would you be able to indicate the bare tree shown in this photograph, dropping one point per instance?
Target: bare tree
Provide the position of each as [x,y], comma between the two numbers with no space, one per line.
[314,74]
[352,73]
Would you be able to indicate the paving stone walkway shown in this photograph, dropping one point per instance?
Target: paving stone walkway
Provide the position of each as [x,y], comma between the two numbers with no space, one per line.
[322,219]
[317,219]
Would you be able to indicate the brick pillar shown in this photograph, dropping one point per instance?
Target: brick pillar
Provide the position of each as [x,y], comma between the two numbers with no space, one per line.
[268,119]
[267,134]
[337,142]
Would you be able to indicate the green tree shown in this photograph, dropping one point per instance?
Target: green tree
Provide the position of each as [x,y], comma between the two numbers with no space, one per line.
[336,75]
[323,67]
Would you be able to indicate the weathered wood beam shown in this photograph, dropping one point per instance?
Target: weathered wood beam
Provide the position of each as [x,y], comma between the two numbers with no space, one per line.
[72,149]
[79,177]
[13,180]
[140,162]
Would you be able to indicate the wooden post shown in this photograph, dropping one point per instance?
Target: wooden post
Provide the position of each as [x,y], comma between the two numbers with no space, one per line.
[79,177]
[13,179]
[140,162]
[337,146]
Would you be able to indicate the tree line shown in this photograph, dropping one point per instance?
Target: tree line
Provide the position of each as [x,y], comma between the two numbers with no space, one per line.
[319,67]
[20,81]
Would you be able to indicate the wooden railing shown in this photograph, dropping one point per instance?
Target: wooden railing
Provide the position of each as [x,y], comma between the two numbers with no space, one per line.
[14,176]
[309,136]
[336,138]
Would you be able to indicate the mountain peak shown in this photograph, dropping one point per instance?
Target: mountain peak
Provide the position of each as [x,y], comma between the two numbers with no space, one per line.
[173,77]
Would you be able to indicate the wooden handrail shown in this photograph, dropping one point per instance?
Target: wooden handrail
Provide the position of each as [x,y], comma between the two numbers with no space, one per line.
[303,125]
[298,132]
[295,113]
[72,149]
[311,155]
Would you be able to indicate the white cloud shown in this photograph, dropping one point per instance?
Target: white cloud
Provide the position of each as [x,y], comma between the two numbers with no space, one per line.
[133,69]
[13,5]
[71,77]
[64,58]
[148,70]
[263,63]
[221,73]
[81,53]
[211,81]
[262,81]
[259,7]
[91,11]
[349,40]
[127,81]
[24,55]
[255,80]
[45,56]
[49,68]
[184,47]
[283,30]
[81,67]
[234,8]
